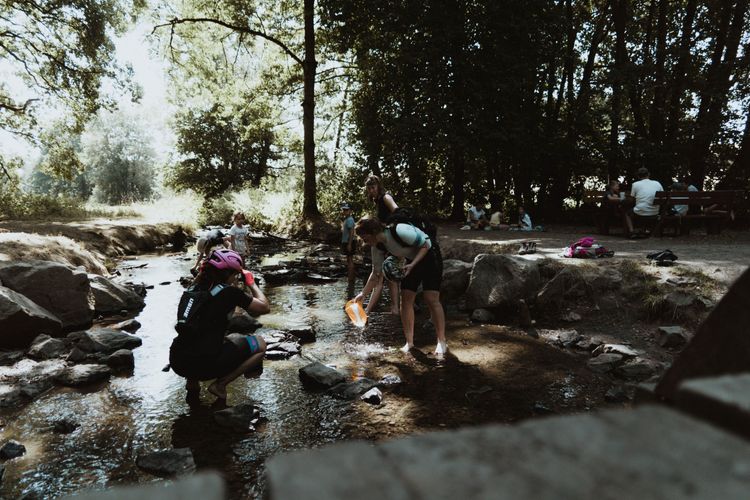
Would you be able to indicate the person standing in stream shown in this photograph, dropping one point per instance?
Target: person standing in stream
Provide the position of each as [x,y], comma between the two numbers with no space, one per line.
[385,205]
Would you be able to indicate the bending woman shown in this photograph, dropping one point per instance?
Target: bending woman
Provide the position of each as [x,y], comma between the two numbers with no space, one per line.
[424,265]
[385,205]
[200,351]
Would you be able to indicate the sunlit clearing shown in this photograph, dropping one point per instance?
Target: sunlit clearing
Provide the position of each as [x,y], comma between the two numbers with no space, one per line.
[179,208]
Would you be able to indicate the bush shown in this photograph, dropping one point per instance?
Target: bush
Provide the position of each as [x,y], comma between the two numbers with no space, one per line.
[216,211]
[15,204]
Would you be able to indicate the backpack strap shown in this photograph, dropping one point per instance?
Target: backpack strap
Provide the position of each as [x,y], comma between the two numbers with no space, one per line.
[218,288]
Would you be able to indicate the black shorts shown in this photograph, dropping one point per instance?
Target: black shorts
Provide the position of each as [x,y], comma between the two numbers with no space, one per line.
[345,248]
[235,350]
[428,272]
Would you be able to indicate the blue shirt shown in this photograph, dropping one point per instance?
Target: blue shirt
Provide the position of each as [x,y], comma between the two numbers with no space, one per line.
[346,228]
[412,237]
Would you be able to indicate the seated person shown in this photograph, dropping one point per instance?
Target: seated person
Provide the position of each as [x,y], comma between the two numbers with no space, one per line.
[682,210]
[643,191]
[524,221]
[476,217]
[496,220]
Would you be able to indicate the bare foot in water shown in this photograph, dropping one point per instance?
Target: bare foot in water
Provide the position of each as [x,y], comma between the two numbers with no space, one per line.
[218,390]
[407,347]
[441,348]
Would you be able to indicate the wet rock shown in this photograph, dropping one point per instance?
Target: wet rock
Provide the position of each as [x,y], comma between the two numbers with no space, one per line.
[110,297]
[21,320]
[107,340]
[623,350]
[167,462]
[350,390]
[501,280]
[373,396]
[604,363]
[305,335]
[30,390]
[638,369]
[273,354]
[291,348]
[10,396]
[242,322]
[673,336]
[616,394]
[455,279]
[122,359]
[2,473]
[571,317]
[82,375]
[10,357]
[12,449]
[129,325]
[60,289]
[482,316]
[541,409]
[64,426]
[273,336]
[389,380]
[240,418]
[318,375]
[567,338]
[588,344]
[76,355]
[76,336]
[45,347]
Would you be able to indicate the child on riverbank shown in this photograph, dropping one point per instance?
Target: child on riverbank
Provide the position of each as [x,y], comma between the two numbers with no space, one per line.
[239,235]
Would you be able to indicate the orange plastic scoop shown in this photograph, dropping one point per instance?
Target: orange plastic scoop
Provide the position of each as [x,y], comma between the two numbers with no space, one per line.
[356,313]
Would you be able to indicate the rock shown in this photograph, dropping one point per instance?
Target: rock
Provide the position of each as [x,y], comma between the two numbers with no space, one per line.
[290,347]
[76,336]
[21,320]
[482,316]
[122,359]
[524,315]
[350,390]
[110,297]
[30,390]
[83,375]
[305,335]
[567,338]
[242,322]
[273,336]
[319,375]
[616,394]
[60,289]
[673,336]
[45,347]
[588,344]
[10,396]
[240,418]
[501,280]
[373,396]
[2,473]
[681,281]
[566,283]
[604,363]
[389,380]
[541,409]
[274,354]
[571,317]
[683,304]
[64,426]
[129,325]
[455,279]
[623,350]
[10,357]
[638,368]
[76,355]
[12,449]
[107,340]
[167,462]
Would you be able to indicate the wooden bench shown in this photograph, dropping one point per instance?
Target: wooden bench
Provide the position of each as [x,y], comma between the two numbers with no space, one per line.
[713,207]
[603,217]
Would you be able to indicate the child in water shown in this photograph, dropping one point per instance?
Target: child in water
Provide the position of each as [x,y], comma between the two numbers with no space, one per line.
[239,234]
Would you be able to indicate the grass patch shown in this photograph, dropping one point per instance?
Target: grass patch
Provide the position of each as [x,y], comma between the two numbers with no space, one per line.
[639,285]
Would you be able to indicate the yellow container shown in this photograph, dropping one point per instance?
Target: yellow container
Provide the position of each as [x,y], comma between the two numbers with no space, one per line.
[356,313]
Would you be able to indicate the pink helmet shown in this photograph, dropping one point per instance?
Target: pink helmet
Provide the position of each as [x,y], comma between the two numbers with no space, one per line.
[225,259]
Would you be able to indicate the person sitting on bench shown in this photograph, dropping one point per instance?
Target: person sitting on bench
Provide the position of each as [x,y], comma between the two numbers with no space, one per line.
[644,190]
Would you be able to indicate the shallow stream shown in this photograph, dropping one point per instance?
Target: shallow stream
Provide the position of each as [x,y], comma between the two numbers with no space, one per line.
[147,411]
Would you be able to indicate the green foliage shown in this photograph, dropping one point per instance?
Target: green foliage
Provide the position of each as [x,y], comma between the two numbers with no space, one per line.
[216,211]
[117,151]
[223,148]
[17,204]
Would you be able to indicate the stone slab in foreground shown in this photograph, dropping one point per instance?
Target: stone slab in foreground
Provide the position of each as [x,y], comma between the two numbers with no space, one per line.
[206,486]
[722,401]
[647,453]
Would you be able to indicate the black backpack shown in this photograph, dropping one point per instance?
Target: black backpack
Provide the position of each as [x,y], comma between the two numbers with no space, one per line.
[404,215]
[189,310]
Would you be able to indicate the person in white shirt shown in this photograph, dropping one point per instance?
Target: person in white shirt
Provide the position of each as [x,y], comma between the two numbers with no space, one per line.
[643,191]
[239,234]
[476,217]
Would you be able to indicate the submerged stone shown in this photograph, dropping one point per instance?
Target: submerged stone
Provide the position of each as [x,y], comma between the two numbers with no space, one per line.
[167,462]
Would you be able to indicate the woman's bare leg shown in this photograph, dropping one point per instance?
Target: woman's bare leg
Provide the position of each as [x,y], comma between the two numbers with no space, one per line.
[219,386]
[432,298]
[393,287]
[407,317]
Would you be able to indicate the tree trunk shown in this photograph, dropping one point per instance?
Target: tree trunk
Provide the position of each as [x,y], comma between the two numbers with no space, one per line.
[738,176]
[715,95]
[619,16]
[310,195]
[656,127]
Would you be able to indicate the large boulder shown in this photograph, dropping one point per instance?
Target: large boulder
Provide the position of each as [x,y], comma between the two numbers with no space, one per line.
[79,375]
[501,280]
[21,320]
[62,290]
[45,347]
[107,340]
[110,297]
[455,279]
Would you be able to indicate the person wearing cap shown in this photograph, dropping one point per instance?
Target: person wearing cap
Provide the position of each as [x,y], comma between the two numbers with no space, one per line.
[207,243]
[348,244]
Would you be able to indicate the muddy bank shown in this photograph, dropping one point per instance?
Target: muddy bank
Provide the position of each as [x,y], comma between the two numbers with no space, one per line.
[92,245]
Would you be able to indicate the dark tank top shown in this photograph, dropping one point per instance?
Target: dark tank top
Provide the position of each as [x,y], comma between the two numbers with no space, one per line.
[383,212]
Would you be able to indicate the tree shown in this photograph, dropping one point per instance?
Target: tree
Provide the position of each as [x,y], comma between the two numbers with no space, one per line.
[61,51]
[239,17]
[223,148]
[118,153]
